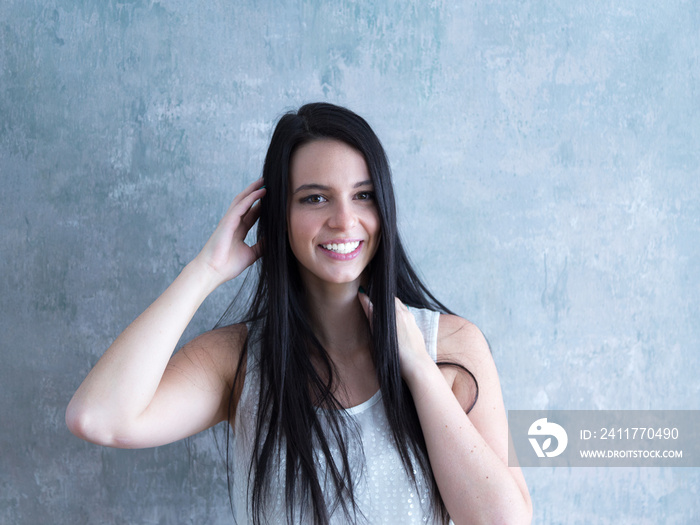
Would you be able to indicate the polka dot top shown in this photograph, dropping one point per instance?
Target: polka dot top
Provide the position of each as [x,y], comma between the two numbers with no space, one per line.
[384,493]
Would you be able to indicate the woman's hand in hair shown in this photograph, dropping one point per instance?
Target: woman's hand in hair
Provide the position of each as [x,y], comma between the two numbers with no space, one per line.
[413,355]
[412,352]
[226,252]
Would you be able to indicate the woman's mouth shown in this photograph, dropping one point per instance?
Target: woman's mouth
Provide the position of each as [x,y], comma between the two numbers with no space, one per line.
[342,250]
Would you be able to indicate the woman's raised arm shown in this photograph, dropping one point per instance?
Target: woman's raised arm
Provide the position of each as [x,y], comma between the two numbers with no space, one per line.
[137,395]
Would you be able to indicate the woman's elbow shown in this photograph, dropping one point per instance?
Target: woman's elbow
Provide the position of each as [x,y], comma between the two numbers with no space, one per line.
[89,426]
[82,424]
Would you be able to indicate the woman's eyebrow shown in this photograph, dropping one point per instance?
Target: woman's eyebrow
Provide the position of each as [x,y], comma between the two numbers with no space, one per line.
[328,188]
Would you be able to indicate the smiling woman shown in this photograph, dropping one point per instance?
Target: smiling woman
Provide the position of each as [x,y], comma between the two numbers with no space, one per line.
[340,409]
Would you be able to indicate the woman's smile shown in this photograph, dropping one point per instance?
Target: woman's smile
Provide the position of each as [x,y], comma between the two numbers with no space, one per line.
[342,251]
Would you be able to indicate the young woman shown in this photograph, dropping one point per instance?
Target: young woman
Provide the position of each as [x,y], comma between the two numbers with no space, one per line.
[339,410]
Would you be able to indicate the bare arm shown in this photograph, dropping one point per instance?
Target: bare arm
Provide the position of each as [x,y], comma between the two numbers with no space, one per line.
[468,453]
[136,395]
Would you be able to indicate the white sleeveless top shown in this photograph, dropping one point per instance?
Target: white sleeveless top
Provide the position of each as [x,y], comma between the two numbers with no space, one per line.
[383,492]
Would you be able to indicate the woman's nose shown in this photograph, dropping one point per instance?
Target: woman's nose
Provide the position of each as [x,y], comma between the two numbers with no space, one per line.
[342,217]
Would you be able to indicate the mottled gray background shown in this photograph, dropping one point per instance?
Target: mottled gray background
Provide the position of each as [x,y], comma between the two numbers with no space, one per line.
[546,160]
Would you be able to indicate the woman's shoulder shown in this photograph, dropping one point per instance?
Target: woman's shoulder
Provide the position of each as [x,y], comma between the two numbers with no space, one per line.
[460,338]
[461,342]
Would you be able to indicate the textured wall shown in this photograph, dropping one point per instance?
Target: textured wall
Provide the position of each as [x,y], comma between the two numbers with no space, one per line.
[546,160]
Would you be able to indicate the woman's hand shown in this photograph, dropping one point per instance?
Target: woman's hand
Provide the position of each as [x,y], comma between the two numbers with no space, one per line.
[226,252]
[412,352]
[413,355]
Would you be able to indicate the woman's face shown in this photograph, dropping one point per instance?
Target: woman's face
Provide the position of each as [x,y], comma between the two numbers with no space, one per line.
[332,217]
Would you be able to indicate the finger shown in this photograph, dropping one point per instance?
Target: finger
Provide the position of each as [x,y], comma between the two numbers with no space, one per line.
[239,208]
[258,248]
[245,203]
[252,215]
[249,190]
[401,308]
[253,186]
[367,306]
[245,225]
[365,302]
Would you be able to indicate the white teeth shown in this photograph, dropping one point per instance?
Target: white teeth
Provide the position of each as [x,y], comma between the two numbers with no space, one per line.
[346,247]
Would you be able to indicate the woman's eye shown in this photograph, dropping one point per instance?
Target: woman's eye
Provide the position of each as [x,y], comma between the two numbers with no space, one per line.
[365,195]
[314,199]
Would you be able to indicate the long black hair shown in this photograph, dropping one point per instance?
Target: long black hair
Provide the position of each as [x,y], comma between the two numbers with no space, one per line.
[291,387]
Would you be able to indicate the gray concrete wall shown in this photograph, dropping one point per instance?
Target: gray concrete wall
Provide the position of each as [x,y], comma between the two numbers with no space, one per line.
[546,160]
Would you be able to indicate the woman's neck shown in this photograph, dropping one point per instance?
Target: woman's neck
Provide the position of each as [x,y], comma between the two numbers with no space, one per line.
[340,324]
[338,319]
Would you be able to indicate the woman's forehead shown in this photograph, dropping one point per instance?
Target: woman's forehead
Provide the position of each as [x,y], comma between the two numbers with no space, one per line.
[327,161]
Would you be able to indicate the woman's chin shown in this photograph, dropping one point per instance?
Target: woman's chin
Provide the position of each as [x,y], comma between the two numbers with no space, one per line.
[335,279]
